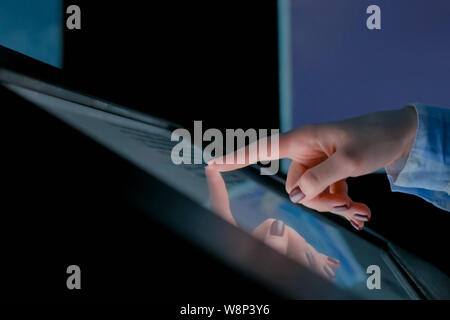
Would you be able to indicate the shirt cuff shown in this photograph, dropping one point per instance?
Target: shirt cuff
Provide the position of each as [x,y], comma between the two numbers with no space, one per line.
[425,172]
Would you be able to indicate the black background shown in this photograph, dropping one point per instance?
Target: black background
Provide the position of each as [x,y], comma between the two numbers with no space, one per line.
[185,61]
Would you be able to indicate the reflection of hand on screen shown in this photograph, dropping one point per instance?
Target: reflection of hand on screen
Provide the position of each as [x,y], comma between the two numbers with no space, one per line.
[324,155]
[273,232]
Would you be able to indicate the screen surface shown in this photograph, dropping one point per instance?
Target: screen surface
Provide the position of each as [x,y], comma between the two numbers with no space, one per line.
[236,197]
[33,28]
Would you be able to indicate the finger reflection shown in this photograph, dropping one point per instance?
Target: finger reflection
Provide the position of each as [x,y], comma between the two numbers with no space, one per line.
[273,232]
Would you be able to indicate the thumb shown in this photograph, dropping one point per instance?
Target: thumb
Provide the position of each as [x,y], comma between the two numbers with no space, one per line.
[316,179]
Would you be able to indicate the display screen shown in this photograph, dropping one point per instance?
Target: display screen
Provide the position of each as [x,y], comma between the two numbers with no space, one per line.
[237,197]
[33,28]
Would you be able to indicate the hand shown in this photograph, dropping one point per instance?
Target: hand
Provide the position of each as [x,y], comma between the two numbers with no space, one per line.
[324,155]
[273,232]
[289,242]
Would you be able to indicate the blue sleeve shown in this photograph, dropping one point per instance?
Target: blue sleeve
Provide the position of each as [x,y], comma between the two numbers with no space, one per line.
[426,172]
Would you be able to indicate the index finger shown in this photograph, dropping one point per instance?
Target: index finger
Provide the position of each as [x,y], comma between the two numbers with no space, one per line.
[265,149]
[218,194]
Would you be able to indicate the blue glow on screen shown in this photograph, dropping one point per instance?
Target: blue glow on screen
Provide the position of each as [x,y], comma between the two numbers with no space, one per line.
[33,28]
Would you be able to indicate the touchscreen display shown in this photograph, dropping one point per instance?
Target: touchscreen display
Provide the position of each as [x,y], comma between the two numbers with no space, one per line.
[327,248]
[34,28]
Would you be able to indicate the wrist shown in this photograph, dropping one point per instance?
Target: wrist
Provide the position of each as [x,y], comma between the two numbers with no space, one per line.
[408,127]
[411,125]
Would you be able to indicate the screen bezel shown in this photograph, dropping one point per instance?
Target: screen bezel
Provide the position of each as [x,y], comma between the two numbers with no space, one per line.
[231,245]
[273,182]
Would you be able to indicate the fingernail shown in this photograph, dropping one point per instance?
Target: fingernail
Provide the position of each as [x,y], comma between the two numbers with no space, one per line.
[333,260]
[296,195]
[339,209]
[277,228]
[329,271]
[310,258]
[361,217]
[354,225]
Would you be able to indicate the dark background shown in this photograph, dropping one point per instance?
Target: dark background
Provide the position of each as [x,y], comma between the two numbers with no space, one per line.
[340,69]
[68,197]
[183,60]
[186,61]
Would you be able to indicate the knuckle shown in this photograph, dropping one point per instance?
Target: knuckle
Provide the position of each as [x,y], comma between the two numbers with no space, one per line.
[290,143]
[310,129]
[309,181]
[350,158]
